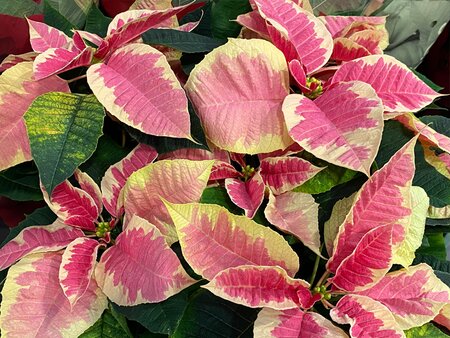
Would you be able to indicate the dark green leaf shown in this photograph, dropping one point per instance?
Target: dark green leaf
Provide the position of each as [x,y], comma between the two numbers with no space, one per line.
[222,14]
[177,3]
[186,42]
[394,137]
[433,245]
[55,19]
[327,199]
[110,325]
[219,196]
[107,153]
[41,216]
[160,317]
[166,144]
[96,22]
[436,185]
[326,179]
[439,123]
[429,83]
[20,8]
[21,183]
[210,316]
[425,331]
[204,15]
[434,106]
[437,222]
[72,10]
[63,130]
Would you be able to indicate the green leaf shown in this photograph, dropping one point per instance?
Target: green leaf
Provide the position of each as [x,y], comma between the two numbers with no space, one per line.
[167,144]
[433,245]
[20,8]
[439,123]
[222,14]
[436,185]
[41,216]
[63,130]
[210,316]
[96,21]
[204,15]
[186,42]
[413,28]
[395,136]
[219,196]
[429,83]
[426,330]
[55,19]
[326,179]
[327,199]
[108,152]
[160,317]
[110,325]
[73,11]
[21,183]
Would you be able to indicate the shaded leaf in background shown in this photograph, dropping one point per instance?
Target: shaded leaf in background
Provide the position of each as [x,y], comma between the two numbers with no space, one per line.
[426,331]
[107,153]
[436,185]
[433,245]
[64,130]
[162,317]
[210,316]
[326,179]
[21,183]
[204,13]
[219,196]
[413,28]
[73,11]
[20,8]
[110,325]
[339,7]
[41,216]
[96,21]
[327,199]
[223,14]
[186,42]
[55,19]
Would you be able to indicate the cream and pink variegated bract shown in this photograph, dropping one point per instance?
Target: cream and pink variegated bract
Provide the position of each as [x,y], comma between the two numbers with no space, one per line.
[34,304]
[69,256]
[212,240]
[175,181]
[239,112]
[344,125]
[121,81]
[261,286]
[294,323]
[128,275]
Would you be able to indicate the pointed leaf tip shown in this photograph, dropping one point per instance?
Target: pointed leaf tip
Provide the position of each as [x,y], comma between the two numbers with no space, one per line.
[213,239]
[137,85]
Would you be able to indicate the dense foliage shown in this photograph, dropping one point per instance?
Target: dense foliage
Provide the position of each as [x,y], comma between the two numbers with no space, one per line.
[270,176]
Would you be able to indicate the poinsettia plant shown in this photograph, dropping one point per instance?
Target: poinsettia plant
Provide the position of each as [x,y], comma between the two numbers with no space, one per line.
[279,183]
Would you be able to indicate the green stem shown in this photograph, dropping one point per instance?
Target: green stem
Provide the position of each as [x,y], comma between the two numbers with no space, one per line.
[324,276]
[314,273]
